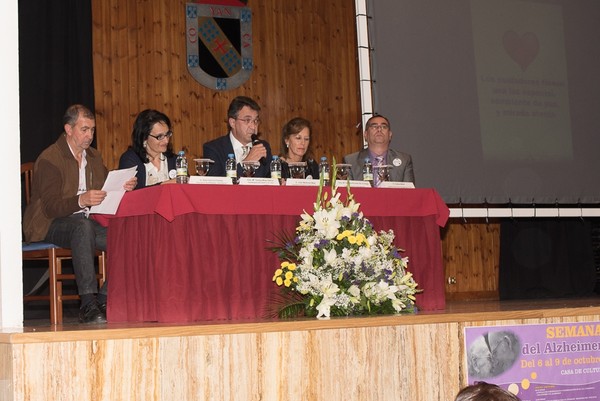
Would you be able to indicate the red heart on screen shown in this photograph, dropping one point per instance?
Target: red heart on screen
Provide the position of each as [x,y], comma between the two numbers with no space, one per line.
[522,49]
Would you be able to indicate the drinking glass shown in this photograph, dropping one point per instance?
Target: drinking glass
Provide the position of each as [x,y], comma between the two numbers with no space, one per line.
[203,166]
[343,171]
[249,168]
[297,169]
[383,173]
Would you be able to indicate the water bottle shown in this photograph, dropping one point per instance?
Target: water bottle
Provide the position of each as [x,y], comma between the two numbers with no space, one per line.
[231,167]
[324,170]
[368,171]
[276,168]
[181,166]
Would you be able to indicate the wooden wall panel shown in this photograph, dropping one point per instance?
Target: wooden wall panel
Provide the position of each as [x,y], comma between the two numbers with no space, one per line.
[471,253]
[372,362]
[6,372]
[305,64]
[368,359]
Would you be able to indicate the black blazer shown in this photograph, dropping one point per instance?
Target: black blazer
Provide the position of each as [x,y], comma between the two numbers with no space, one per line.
[130,159]
[312,169]
[219,148]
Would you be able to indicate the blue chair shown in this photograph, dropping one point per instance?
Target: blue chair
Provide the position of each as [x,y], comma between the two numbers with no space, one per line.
[54,255]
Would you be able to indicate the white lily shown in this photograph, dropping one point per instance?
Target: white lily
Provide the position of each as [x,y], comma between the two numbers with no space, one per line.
[326,223]
[330,256]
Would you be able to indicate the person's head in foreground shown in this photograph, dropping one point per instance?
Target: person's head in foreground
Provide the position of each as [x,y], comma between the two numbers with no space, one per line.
[482,391]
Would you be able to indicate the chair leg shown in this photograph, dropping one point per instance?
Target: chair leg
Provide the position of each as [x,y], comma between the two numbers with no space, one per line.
[53,265]
[56,287]
[102,268]
[59,292]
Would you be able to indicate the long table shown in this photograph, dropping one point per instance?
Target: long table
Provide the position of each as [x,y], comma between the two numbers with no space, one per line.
[182,253]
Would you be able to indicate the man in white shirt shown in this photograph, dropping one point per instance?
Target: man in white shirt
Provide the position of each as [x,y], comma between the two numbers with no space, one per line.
[243,120]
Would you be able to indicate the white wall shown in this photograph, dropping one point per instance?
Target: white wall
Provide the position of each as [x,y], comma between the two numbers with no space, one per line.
[11,276]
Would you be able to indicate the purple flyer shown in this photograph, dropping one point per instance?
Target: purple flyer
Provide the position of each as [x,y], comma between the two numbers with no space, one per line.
[538,362]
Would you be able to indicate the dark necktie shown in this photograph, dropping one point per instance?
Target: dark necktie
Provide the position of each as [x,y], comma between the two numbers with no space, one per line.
[378,162]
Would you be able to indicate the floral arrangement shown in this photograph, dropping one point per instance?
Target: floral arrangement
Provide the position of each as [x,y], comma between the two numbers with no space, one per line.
[337,264]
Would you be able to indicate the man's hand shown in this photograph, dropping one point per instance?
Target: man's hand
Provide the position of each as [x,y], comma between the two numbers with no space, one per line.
[92,197]
[257,152]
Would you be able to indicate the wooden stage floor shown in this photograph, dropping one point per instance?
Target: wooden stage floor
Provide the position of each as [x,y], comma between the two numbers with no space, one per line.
[456,311]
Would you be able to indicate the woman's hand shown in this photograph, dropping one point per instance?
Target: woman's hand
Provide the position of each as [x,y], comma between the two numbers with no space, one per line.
[130,184]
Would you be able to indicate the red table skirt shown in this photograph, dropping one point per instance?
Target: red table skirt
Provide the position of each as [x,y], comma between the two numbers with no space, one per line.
[202,266]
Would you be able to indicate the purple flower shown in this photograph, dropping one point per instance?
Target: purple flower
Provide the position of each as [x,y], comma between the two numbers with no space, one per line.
[322,244]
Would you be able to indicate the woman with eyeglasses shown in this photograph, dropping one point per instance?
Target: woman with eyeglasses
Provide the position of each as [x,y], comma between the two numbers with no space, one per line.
[151,149]
[295,147]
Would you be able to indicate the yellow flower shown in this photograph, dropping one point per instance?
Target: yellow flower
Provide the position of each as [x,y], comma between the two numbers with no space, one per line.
[279,280]
[360,238]
[352,239]
[344,234]
[291,266]
[278,273]
[287,282]
[289,275]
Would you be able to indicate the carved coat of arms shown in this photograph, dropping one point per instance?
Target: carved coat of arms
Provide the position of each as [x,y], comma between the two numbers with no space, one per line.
[219,43]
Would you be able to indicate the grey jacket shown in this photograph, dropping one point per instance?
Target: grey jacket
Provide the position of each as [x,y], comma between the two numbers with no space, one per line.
[402,167]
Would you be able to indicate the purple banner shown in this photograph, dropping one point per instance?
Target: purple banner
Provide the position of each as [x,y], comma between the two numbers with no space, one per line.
[541,362]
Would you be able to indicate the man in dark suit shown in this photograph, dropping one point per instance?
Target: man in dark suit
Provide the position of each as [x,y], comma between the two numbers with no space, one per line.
[243,120]
[378,135]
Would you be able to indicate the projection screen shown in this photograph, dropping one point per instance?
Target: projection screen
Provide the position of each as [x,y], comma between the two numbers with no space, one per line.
[497,101]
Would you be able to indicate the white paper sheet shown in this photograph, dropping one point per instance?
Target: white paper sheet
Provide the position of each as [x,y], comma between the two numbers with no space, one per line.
[114,190]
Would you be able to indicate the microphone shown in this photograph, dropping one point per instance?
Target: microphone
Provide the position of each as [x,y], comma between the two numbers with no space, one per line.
[256,141]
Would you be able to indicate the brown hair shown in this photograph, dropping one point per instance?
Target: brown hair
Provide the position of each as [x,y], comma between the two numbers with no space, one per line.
[72,114]
[482,391]
[292,127]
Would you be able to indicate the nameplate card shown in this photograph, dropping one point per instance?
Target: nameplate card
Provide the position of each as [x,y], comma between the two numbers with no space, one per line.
[258,181]
[353,183]
[200,179]
[396,184]
[302,182]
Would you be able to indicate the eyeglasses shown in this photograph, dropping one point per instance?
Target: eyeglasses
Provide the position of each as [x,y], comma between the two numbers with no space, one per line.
[247,121]
[160,137]
[375,127]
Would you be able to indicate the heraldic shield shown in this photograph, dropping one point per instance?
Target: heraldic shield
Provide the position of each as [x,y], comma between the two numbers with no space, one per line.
[219,44]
